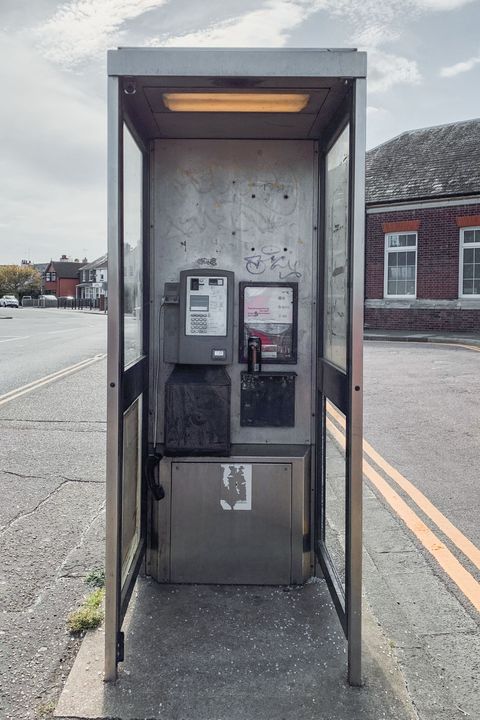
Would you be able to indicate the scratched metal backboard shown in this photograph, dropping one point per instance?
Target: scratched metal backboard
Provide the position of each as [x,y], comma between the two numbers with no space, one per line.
[248,206]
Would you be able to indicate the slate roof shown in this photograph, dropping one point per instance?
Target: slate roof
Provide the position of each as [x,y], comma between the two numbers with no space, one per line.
[431,162]
[66,269]
[100,262]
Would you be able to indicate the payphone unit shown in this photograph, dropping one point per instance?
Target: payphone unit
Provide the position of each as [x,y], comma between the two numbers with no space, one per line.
[199,318]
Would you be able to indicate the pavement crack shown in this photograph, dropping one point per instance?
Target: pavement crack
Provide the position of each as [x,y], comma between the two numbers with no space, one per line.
[82,480]
[80,542]
[24,477]
[23,515]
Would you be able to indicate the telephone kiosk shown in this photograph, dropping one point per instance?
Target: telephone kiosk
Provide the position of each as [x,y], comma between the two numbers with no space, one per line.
[236,220]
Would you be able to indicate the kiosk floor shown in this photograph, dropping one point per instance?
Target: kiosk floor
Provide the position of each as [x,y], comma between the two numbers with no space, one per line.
[209,652]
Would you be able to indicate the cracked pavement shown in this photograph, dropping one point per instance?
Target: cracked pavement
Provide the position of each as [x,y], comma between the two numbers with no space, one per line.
[52,475]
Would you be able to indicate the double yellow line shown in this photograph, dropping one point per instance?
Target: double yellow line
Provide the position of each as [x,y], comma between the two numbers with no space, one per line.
[444,557]
[24,389]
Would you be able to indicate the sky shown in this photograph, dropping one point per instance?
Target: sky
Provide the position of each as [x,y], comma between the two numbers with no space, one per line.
[423,70]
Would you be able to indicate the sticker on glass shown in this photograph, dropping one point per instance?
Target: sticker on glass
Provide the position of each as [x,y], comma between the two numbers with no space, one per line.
[236,487]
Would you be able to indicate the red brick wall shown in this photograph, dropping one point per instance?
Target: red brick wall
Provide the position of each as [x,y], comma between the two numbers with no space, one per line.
[437,269]
[62,287]
[67,286]
[422,319]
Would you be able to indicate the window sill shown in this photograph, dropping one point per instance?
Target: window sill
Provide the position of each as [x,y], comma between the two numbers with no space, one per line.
[421,304]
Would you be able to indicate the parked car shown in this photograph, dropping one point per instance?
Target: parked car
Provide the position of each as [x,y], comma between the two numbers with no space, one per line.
[9,301]
[47,301]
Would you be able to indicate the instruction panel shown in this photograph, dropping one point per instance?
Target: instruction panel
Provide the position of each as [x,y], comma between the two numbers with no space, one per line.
[269,312]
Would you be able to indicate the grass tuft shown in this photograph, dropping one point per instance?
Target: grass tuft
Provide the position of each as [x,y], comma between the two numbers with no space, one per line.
[96,578]
[46,709]
[89,616]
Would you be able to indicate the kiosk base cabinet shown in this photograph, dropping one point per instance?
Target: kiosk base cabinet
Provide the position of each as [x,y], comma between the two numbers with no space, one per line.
[242,519]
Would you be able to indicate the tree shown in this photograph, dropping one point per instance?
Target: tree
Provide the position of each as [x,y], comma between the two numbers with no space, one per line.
[19,280]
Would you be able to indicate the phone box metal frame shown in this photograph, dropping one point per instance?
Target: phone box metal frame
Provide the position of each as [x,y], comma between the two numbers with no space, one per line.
[270,197]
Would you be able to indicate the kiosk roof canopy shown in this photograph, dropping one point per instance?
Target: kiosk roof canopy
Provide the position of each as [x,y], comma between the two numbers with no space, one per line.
[234,93]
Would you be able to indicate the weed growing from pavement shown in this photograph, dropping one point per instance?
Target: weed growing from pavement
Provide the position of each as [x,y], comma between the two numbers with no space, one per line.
[96,578]
[89,616]
[46,709]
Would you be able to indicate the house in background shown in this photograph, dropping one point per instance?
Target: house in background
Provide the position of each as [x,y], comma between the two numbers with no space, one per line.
[422,257]
[93,280]
[61,277]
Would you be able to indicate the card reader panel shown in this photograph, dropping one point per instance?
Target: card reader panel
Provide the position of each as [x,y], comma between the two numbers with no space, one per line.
[206,317]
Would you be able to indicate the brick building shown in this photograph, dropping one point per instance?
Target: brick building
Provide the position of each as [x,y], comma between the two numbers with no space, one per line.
[422,260]
[62,277]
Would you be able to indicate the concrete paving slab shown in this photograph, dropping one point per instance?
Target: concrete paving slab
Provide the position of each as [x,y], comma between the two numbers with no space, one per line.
[35,647]
[231,653]
[50,531]
[68,455]
[455,658]
[21,494]
[428,604]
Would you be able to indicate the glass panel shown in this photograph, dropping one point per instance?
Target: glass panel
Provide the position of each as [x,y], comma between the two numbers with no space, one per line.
[468,271]
[336,245]
[476,286]
[132,246]
[401,240]
[335,488]
[467,287]
[477,236]
[392,259]
[131,483]
[469,236]
[468,255]
[410,287]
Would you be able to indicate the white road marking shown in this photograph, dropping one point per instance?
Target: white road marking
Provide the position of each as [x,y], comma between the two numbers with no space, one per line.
[18,337]
[18,392]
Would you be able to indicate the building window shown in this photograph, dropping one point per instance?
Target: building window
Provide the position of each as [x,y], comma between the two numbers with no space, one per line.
[470,262]
[54,276]
[400,265]
[47,277]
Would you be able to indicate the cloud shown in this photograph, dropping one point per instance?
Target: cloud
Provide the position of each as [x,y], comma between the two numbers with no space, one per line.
[82,29]
[269,26]
[386,70]
[52,165]
[442,5]
[460,67]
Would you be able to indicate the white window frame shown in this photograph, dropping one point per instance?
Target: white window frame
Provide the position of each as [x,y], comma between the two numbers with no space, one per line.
[463,246]
[407,248]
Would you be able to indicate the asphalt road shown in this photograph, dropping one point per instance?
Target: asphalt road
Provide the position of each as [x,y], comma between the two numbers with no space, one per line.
[422,414]
[37,341]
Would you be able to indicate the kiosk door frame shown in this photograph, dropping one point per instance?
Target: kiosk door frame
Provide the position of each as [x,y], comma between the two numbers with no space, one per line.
[127,384]
[343,387]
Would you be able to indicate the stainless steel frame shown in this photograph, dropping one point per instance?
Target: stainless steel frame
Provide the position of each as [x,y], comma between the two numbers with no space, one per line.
[342,73]
[346,390]
[355,389]
[124,386]
[114,378]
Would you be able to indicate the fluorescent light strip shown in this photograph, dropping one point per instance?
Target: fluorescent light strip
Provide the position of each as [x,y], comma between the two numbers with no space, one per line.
[236,102]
